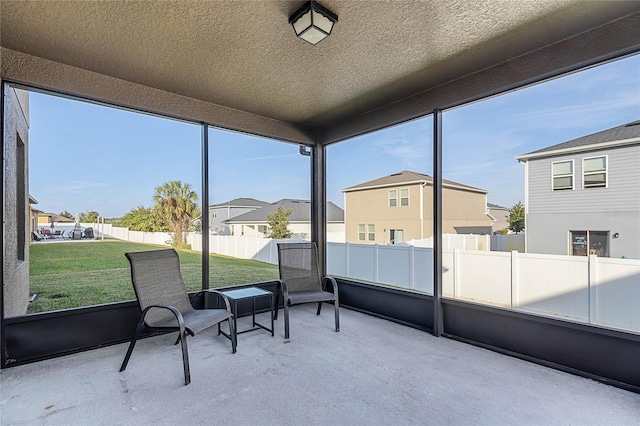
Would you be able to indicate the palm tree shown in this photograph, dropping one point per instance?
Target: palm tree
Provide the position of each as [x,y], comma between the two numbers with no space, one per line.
[176,202]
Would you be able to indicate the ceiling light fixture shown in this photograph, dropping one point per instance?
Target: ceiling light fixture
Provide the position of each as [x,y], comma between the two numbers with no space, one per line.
[313,22]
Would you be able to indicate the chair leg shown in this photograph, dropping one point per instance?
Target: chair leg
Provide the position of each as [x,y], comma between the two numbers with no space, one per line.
[136,334]
[319,308]
[185,357]
[336,307]
[277,301]
[234,336]
[286,320]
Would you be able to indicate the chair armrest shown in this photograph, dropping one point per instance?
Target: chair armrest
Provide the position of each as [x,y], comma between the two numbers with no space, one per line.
[285,291]
[334,285]
[217,293]
[175,312]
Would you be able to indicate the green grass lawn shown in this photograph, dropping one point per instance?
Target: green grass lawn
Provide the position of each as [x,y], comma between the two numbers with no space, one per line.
[73,274]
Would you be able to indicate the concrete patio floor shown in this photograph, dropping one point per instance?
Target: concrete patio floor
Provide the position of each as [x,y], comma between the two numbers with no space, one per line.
[373,372]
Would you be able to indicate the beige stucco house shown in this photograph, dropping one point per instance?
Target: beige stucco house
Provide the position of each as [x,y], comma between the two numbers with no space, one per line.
[46,218]
[399,208]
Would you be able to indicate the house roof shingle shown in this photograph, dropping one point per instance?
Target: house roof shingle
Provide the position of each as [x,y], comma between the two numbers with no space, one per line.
[300,212]
[405,177]
[495,206]
[626,132]
[241,202]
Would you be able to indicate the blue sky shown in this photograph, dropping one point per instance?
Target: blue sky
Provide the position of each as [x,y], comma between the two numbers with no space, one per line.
[87,157]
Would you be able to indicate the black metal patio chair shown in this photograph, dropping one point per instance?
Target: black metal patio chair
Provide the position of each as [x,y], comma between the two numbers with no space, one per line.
[88,233]
[300,280]
[165,304]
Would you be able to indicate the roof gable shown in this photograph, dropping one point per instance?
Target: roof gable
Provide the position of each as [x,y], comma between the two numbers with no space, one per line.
[300,212]
[616,136]
[406,177]
[241,202]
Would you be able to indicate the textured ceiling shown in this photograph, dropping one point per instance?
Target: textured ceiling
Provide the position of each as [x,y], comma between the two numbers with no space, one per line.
[244,55]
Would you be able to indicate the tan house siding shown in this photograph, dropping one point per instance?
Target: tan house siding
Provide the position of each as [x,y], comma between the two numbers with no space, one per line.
[371,207]
[463,210]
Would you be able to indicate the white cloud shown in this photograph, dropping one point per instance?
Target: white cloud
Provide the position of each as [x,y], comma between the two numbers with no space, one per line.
[77,186]
[411,153]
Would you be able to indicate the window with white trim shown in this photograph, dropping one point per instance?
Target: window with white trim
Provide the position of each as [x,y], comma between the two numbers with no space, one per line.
[371,232]
[562,175]
[393,197]
[584,243]
[404,197]
[361,233]
[594,172]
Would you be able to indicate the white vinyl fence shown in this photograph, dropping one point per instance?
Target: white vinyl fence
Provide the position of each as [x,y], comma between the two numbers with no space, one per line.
[603,291]
[508,242]
[260,249]
[594,290]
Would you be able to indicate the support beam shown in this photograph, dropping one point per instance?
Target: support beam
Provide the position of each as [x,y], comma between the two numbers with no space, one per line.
[437,222]
[319,203]
[204,215]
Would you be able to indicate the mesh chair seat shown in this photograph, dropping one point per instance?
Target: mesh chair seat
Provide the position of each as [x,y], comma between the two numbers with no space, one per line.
[309,297]
[165,304]
[197,320]
[300,280]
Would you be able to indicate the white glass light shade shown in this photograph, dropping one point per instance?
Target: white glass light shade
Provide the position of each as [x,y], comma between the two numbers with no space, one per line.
[312,22]
[302,24]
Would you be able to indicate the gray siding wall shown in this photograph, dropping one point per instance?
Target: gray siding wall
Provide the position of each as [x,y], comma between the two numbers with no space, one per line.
[15,280]
[552,214]
[222,214]
[551,236]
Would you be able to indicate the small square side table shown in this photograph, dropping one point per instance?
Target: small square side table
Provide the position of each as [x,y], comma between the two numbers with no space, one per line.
[252,293]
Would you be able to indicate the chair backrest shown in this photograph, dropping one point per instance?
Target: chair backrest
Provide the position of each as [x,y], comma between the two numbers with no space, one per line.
[298,264]
[157,280]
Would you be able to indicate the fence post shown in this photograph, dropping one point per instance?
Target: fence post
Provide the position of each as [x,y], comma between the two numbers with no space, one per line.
[412,273]
[347,258]
[456,273]
[514,278]
[592,288]
[375,263]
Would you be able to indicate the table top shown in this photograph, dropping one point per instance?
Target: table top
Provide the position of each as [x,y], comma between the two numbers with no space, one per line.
[245,293]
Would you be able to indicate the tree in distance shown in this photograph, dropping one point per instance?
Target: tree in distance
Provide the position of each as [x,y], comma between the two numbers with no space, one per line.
[516,217]
[89,216]
[175,202]
[144,219]
[66,214]
[279,224]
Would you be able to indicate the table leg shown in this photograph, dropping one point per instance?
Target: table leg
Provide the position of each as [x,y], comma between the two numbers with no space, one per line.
[253,311]
[235,316]
[271,312]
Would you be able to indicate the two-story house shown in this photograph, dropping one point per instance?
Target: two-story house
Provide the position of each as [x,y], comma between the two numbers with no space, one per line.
[399,208]
[219,213]
[256,223]
[583,196]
